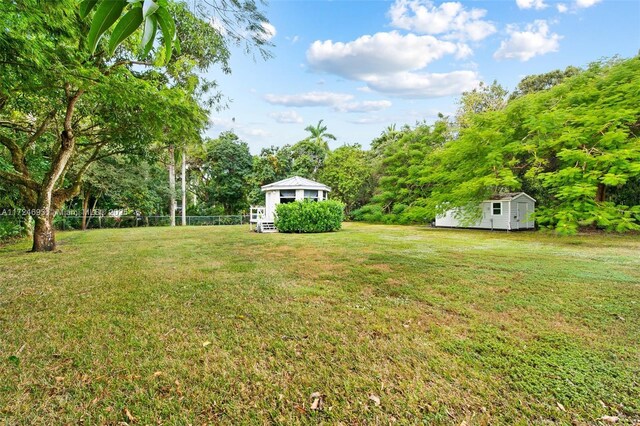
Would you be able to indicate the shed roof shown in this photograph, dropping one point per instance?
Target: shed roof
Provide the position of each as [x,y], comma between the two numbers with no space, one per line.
[296,182]
[508,196]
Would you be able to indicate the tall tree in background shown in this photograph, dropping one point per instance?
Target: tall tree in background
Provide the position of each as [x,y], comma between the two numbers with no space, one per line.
[319,135]
[227,170]
[348,173]
[481,99]
[271,165]
[308,158]
[540,82]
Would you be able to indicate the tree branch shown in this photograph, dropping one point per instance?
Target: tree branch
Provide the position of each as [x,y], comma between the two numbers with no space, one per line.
[39,131]
[19,180]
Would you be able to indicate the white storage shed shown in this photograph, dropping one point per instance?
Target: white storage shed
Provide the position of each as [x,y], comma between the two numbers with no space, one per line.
[286,191]
[508,212]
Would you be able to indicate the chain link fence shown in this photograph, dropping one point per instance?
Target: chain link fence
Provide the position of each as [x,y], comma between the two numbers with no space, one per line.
[11,225]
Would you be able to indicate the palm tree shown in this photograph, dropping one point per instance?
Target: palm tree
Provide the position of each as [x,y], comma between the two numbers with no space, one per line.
[319,134]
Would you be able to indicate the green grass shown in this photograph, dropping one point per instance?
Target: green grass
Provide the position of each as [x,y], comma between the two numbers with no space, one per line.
[220,325]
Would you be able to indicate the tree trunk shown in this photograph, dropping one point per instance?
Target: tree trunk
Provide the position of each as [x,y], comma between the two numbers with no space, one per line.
[85,208]
[601,193]
[172,185]
[43,234]
[183,172]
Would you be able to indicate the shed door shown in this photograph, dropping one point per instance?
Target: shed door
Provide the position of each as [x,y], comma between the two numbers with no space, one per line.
[523,215]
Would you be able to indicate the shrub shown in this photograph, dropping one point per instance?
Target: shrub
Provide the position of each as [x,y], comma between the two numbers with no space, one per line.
[309,216]
[9,229]
[368,213]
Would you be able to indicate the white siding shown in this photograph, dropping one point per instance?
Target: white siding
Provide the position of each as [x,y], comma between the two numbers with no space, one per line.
[515,214]
[521,209]
[272,200]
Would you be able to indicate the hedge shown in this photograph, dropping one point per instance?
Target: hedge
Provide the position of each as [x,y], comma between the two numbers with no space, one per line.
[309,216]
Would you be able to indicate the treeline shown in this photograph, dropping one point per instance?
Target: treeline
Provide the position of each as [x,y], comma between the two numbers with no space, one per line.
[568,138]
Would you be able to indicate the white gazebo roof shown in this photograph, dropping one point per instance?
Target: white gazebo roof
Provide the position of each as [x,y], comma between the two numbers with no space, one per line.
[296,182]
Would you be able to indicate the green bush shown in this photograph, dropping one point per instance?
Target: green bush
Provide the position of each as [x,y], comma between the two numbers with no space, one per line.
[368,213]
[309,216]
[9,229]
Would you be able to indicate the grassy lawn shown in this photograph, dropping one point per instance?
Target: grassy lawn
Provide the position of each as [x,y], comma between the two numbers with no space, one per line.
[220,325]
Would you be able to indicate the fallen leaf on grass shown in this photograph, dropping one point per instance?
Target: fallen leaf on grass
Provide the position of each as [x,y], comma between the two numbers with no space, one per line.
[205,344]
[129,416]
[158,374]
[375,399]
[317,403]
[609,419]
[561,407]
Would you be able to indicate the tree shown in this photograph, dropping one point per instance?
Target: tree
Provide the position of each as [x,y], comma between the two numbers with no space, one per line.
[57,100]
[574,141]
[226,171]
[348,173]
[540,82]
[308,157]
[271,165]
[319,135]
[481,99]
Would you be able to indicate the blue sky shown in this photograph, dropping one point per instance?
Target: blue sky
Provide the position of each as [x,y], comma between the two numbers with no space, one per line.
[364,65]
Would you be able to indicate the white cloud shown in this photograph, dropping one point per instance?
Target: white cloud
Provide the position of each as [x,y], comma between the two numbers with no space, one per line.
[269,31]
[394,64]
[287,117]
[583,4]
[531,4]
[245,131]
[576,5]
[450,19]
[382,53]
[364,106]
[253,133]
[534,40]
[341,102]
[425,85]
[309,99]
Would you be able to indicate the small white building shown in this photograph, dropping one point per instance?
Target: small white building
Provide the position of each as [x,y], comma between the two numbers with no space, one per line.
[285,191]
[508,212]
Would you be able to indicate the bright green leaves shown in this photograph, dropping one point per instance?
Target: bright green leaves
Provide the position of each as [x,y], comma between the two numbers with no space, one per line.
[148,14]
[149,34]
[126,26]
[107,14]
[168,30]
[86,6]
[309,216]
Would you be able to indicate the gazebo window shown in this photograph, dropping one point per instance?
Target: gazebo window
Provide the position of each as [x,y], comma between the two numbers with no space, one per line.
[497,209]
[287,196]
[310,195]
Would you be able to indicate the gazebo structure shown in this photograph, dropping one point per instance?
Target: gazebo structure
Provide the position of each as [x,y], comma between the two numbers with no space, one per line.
[285,191]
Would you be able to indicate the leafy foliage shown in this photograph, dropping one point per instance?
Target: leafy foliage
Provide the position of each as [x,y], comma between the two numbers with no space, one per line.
[225,172]
[348,173]
[308,216]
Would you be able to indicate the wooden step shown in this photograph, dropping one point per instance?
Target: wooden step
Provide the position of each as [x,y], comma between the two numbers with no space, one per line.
[267,227]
